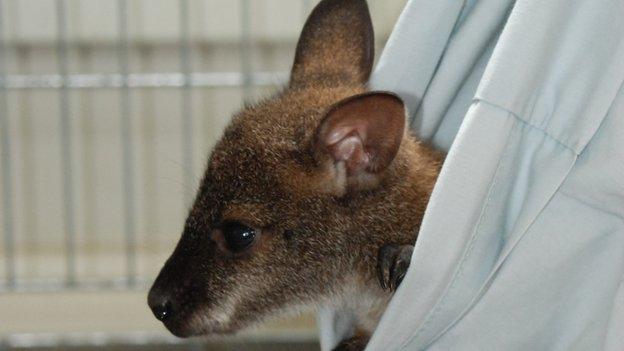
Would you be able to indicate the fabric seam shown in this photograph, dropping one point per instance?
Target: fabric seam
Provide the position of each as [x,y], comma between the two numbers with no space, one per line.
[585,203]
[530,124]
[459,271]
[499,264]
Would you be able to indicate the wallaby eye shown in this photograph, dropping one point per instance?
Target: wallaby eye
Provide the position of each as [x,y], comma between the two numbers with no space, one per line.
[238,236]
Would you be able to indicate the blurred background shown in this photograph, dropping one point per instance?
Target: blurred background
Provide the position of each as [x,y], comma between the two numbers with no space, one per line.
[108,110]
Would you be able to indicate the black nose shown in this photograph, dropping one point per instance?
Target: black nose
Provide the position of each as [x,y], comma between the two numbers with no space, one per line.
[160,304]
[162,310]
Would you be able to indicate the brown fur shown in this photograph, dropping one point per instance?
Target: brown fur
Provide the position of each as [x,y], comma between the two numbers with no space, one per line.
[315,244]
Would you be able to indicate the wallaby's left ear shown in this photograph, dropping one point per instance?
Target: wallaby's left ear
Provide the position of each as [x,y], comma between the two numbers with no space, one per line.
[336,41]
[359,138]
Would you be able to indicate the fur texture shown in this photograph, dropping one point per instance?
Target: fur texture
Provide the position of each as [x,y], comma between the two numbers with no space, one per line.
[317,237]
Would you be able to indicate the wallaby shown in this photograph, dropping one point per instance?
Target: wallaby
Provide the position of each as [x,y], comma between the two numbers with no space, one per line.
[312,197]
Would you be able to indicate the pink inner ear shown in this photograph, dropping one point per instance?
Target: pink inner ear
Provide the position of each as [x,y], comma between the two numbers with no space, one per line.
[363,132]
[345,144]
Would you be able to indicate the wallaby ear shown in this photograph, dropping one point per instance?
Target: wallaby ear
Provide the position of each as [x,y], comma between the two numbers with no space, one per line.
[336,41]
[359,138]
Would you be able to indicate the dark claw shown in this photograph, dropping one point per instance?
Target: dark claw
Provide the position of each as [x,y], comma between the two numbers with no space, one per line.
[393,262]
[385,260]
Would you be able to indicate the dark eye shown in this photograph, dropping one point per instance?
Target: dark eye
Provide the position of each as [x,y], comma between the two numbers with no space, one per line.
[238,236]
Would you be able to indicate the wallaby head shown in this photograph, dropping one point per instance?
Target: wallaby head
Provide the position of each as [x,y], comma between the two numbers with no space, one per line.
[300,192]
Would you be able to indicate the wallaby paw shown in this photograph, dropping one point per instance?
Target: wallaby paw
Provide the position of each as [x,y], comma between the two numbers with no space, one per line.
[392,263]
[356,343]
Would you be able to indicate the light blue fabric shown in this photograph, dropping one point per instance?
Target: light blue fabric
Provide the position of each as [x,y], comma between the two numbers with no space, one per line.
[522,244]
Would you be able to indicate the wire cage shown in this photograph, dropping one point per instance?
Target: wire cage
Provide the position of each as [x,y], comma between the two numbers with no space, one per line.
[108,110]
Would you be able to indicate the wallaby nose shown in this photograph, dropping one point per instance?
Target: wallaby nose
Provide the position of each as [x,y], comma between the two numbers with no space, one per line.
[161,306]
[162,311]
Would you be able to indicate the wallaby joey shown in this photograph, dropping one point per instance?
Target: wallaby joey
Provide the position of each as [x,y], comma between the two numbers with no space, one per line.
[311,198]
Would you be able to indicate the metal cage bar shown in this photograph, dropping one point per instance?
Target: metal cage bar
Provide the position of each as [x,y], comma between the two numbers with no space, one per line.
[5,155]
[245,49]
[144,80]
[66,144]
[186,103]
[129,200]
